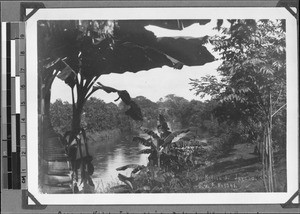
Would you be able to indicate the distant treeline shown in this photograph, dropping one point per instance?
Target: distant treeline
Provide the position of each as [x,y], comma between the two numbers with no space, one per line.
[210,118]
[100,116]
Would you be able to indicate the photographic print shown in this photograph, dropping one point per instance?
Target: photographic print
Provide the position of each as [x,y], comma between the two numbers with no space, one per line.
[132,105]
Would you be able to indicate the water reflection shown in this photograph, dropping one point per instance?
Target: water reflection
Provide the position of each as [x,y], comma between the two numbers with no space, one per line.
[112,154]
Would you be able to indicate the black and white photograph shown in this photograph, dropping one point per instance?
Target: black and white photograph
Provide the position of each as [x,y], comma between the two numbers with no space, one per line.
[162,105]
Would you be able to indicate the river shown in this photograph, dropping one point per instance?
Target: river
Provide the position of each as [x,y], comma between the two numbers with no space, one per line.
[114,153]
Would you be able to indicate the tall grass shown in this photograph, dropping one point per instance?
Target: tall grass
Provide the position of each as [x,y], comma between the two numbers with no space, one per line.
[101,187]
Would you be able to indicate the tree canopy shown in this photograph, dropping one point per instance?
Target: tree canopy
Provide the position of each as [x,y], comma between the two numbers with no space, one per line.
[252,87]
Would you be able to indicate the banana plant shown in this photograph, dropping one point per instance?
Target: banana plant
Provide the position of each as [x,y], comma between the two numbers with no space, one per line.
[143,179]
[77,147]
[163,150]
[80,51]
[159,144]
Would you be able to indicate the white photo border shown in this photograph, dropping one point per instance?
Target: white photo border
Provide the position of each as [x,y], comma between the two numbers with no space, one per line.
[163,13]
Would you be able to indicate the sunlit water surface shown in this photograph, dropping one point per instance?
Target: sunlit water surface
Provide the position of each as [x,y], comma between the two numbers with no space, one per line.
[112,154]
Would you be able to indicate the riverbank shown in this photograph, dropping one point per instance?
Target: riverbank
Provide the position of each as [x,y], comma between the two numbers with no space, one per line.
[112,149]
[240,170]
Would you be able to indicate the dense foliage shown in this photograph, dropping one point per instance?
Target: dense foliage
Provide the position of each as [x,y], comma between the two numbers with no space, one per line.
[247,106]
[101,116]
[199,117]
[80,51]
[252,88]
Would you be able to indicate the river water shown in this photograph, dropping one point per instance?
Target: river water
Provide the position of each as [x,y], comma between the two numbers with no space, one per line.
[114,153]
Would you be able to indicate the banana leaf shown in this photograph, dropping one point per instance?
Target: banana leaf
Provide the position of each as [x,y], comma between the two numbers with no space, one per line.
[143,141]
[189,51]
[177,24]
[174,134]
[120,189]
[127,180]
[129,47]
[138,169]
[151,133]
[134,111]
[145,151]
[162,123]
[130,166]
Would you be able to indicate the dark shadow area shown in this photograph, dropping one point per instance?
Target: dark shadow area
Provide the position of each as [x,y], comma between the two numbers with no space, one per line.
[228,165]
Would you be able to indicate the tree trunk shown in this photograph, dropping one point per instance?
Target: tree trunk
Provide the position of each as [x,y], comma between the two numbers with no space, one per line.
[51,149]
[77,112]
[264,162]
[76,121]
[271,156]
[268,157]
[270,170]
[76,129]
[158,159]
